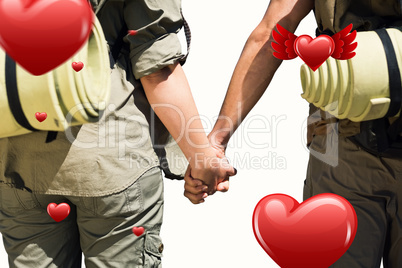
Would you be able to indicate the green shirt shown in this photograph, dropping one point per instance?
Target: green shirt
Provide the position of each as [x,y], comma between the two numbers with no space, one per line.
[103,158]
[365,15]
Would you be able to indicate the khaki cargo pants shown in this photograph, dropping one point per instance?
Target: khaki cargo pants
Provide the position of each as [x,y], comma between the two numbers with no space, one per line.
[100,227]
[373,185]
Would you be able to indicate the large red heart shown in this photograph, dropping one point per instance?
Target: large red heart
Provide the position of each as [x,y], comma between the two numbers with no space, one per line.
[313,234]
[58,212]
[314,52]
[41,34]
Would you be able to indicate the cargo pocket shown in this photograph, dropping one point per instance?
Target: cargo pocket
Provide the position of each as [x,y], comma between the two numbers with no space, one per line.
[318,144]
[15,201]
[326,148]
[153,250]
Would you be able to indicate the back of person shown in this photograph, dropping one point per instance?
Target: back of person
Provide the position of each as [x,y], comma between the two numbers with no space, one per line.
[367,174]
[333,16]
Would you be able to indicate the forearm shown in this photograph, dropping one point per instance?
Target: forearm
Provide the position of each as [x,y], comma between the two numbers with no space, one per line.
[256,66]
[250,79]
[169,94]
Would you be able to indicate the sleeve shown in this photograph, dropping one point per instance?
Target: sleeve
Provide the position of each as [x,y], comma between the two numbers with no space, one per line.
[156,44]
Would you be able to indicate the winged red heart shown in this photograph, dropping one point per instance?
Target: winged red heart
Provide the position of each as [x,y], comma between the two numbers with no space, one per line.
[314,52]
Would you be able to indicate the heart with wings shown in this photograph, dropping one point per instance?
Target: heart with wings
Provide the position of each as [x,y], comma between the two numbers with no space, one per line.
[314,52]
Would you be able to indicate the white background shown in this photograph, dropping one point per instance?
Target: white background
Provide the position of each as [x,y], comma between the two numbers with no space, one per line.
[219,232]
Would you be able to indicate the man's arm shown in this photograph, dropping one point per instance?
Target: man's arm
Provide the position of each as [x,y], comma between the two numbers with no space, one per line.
[256,66]
[252,75]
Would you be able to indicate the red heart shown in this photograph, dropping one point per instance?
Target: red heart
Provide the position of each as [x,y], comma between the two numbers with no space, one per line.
[77,66]
[138,230]
[41,116]
[58,212]
[314,52]
[313,234]
[40,35]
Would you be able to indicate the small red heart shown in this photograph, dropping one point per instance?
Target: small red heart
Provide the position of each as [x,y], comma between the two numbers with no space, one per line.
[138,230]
[41,116]
[132,32]
[77,66]
[41,34]
[313,234]
[314,52]
[58,212]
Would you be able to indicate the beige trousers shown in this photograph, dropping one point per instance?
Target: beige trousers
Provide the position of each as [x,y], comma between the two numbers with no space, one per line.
[99,227]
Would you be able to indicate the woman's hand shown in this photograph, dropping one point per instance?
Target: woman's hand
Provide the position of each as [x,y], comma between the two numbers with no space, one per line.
[196,190]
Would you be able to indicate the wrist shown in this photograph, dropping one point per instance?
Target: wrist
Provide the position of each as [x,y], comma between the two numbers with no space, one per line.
[219,138]
[201,159]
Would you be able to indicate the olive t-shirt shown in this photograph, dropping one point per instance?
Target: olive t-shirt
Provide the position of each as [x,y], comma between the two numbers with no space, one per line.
[102,158]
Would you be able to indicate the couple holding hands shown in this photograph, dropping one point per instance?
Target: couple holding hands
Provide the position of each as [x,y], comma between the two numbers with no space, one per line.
[108,195]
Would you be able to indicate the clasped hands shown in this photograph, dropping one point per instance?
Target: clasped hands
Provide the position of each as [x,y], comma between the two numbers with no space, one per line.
[210,174]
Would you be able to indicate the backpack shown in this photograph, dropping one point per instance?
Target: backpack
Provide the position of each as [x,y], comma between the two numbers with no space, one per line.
[380,137]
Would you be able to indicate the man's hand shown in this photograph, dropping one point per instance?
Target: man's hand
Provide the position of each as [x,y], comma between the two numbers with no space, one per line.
[194,189]
[212,171]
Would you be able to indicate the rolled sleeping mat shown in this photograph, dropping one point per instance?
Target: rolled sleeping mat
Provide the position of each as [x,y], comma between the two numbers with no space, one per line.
[365,87]
[68,97]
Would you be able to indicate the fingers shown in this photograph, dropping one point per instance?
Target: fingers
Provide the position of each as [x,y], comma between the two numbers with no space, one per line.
[223,186]
[208,179]
[194,192]
[211,190]
[196,198]
[201,183]
[193,186]
[191,182]
[219,152]
[194,189]
[232,171]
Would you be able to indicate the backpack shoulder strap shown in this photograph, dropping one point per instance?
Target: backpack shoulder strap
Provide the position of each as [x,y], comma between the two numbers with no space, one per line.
[116,48]
[188,38]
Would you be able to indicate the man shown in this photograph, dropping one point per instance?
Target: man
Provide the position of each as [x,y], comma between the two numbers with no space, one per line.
[371,182]
[108,172]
